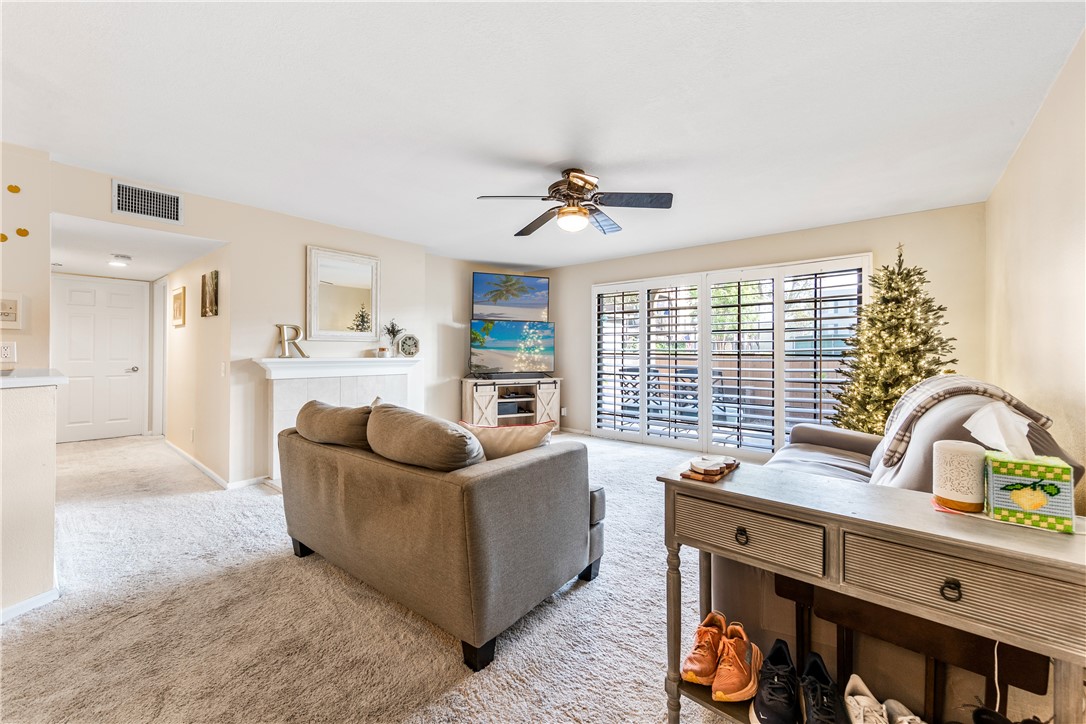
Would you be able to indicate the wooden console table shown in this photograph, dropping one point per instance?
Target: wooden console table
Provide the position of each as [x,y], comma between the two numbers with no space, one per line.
[888,546]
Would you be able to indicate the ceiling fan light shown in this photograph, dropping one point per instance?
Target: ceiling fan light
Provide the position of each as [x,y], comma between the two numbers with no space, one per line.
[572,218]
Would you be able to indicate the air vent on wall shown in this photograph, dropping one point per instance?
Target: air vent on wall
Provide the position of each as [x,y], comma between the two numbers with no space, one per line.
[147,203]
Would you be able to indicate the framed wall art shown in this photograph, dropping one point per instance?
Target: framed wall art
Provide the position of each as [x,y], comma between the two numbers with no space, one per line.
[209,294]
[177,307]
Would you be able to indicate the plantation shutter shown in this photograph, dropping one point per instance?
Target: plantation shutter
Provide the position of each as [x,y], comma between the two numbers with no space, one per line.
[820,311]
[742,364]
[724,359]
[618,359]
[671,388]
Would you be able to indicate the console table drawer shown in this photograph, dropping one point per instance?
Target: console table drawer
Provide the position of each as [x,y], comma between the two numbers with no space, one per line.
[779,541]
[1048,609]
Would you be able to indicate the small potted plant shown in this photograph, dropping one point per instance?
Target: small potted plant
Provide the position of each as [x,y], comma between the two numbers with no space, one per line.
[392,331]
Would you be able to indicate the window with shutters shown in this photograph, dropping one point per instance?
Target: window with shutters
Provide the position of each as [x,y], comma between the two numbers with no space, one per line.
[725,359]
[743,363]
[672,374]
[618,361]
[820,312]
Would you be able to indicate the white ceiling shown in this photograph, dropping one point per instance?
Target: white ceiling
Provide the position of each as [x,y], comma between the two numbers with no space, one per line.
[86,246]
[392,117]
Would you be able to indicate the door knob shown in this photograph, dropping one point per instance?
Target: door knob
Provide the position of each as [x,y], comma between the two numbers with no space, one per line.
[133,369]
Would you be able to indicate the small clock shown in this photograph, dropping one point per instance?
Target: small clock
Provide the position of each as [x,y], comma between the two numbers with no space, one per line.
[407,345]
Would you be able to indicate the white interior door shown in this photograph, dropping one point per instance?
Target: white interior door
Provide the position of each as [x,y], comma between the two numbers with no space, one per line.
[99,340]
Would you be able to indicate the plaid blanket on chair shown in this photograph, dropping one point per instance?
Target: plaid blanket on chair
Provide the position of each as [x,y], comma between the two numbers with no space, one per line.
[924,395]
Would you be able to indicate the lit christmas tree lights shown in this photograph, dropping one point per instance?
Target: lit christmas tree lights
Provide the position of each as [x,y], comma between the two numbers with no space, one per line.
[897,343]
[361,321]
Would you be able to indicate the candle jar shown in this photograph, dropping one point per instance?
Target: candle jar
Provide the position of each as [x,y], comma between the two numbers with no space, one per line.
[957,476]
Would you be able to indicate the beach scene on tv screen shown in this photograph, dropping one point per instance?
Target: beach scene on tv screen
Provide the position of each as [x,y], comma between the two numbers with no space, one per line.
[509,296]
[501,346]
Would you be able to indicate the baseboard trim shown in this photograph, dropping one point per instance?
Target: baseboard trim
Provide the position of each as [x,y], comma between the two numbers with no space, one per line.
[234,485]
[572,430]
[274,483]
[200,466]
[29,604]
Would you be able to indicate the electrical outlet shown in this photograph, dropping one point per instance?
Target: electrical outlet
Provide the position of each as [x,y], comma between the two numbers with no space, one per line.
[7,352]
[564,412]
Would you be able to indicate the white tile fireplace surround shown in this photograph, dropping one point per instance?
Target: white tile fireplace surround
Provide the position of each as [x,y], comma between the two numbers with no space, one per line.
[347,381]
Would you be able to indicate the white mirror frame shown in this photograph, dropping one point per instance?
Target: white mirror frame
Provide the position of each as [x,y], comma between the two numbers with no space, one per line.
[312,296]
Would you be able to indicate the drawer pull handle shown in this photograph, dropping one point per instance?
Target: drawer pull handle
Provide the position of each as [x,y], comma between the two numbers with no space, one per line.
[951,590]
[741,536]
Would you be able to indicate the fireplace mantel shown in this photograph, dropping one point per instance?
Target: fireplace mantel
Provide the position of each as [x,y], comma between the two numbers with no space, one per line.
[346,381]
[290,368]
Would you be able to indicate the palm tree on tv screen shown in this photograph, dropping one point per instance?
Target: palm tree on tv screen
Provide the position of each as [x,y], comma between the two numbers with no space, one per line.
[507,287]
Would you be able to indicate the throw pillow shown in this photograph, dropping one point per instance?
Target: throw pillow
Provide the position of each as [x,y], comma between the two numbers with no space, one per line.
[505,440]
[413,438]
[321,422]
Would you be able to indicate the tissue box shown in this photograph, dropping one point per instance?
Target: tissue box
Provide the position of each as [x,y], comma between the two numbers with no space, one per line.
[1038,493]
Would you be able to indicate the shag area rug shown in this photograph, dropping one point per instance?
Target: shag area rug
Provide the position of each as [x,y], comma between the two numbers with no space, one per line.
[182,602]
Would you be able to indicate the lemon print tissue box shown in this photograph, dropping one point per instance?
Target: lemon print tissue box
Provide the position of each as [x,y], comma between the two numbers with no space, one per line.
[1038,493]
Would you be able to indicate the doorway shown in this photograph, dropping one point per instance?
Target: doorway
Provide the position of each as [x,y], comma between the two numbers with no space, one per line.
[99,339]
[109,321]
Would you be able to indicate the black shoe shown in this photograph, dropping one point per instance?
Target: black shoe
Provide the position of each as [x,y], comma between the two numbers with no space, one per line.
[777,700]
[821,702]
[983,715]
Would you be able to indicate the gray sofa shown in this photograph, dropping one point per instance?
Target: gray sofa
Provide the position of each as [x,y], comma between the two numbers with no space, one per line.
[838,453]
[471,550]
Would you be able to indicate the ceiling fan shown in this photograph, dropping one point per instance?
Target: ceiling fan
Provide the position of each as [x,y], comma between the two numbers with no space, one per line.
[580,201]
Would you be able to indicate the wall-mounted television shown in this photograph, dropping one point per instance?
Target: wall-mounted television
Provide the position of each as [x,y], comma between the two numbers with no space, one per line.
[501,346]
[510,297]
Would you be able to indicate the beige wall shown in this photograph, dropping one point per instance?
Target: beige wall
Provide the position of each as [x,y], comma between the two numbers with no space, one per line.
[1036,305]
[444,347]
[262,282]
[198,364]
[948,243]
[28,472]
[24,261]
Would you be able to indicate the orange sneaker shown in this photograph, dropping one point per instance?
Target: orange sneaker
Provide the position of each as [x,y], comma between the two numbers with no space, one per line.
[737,673]
[700,664]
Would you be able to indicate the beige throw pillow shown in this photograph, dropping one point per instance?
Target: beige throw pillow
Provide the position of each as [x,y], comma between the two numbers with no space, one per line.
[413,438]
[321,422]
[499,442]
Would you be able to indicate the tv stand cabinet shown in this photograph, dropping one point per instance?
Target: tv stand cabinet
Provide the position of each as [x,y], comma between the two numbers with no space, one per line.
[508,401]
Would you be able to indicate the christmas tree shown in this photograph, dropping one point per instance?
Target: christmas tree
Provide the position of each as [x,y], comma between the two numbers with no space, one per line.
[361,321]
[897,343]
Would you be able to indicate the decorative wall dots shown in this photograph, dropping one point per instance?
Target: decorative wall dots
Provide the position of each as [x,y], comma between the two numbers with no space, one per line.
[14,188]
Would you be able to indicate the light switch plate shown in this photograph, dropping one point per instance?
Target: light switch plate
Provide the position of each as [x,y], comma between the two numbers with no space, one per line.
[7,352]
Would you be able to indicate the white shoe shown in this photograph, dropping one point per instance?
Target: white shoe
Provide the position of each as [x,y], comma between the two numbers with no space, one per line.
[862,706]
[898,713]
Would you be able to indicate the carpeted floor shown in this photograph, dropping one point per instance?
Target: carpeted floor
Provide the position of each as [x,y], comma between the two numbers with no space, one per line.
[183,602]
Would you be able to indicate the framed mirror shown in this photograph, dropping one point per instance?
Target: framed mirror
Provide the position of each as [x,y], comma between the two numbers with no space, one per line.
[341,298]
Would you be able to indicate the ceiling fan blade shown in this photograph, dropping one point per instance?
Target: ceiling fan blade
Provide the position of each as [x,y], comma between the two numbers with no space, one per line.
[539,221]
[539,198]
[603,223]
[636,201]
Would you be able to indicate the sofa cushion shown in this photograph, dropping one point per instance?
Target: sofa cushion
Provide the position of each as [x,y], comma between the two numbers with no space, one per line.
[321,422]
[819,460]
[598,504]
[499,442]
[413,438]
